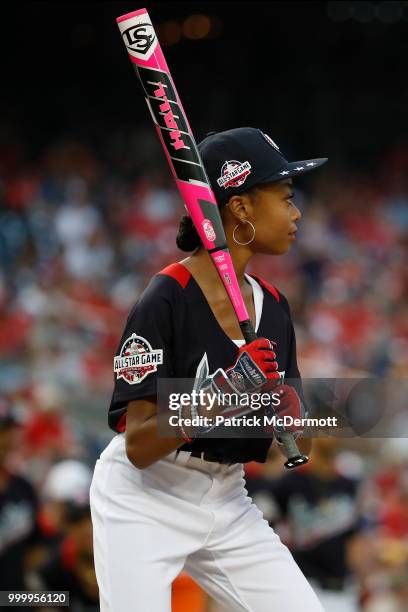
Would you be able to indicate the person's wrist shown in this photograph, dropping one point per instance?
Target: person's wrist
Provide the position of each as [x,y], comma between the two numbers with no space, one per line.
[187,437]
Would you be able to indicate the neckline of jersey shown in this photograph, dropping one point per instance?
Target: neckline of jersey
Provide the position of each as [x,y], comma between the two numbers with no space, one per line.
[258,297]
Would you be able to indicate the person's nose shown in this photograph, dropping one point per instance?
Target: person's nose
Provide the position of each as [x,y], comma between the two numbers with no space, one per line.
[297,215]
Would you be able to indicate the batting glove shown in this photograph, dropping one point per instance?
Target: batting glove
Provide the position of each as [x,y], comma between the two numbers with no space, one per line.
[255,365]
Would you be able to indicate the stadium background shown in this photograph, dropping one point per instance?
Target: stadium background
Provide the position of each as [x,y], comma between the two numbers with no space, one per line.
[88,212]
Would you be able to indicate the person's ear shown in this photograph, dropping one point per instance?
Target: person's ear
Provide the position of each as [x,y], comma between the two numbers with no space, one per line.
[240,207]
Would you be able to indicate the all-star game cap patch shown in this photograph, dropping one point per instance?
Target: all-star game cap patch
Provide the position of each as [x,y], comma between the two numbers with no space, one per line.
[234,173]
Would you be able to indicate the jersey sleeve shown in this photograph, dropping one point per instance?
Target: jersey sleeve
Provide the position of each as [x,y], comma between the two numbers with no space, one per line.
[145,351]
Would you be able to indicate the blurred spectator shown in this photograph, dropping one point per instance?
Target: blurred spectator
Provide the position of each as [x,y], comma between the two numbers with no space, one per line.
[70,566]
[47,435]
[78,218]
[379,555]
[66,511]
[68,481]
[46,429]
[20,537]
[315,511]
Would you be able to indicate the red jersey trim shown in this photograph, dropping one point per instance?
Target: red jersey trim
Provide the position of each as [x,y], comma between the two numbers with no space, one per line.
[178,272]
[267,286]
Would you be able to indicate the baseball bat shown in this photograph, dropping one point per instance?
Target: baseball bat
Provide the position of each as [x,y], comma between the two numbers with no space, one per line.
[184,159]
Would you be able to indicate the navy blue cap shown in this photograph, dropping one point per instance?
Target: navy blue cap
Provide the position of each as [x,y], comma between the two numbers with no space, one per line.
[237,160]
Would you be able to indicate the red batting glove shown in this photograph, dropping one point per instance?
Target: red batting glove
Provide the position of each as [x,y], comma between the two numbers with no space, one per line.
[263,354]
[255,366]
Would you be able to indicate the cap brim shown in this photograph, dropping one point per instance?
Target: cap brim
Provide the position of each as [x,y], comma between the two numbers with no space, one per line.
[295,168]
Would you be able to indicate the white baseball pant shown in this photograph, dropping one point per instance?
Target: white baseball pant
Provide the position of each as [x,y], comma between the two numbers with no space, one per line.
[183,512]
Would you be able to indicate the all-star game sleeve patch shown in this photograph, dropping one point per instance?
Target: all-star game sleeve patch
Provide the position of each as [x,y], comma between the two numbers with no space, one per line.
[137,359]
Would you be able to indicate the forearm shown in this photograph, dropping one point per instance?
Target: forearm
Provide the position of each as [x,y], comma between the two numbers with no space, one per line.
[144,446]
[148,435]
[153,438]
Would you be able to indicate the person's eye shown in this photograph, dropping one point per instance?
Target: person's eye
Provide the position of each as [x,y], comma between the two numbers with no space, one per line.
[290,198]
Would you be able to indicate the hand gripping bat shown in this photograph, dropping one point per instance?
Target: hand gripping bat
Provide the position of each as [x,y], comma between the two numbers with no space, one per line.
[189,173]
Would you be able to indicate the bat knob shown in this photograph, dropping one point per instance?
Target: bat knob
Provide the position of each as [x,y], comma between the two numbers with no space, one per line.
[295,462]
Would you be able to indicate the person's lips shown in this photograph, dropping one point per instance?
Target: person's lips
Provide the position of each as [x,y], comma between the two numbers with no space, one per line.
[292,234]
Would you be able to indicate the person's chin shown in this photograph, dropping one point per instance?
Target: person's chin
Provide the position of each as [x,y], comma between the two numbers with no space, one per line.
[283,248]
[275,250]
[278,247]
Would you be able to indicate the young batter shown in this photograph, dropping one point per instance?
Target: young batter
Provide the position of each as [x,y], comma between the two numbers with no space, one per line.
[161,505]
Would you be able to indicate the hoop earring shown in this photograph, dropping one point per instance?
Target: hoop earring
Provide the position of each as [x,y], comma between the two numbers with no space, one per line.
[249,241]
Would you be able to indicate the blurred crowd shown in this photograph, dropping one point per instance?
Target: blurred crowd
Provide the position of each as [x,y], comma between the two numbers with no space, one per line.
[79,241]
[81,233]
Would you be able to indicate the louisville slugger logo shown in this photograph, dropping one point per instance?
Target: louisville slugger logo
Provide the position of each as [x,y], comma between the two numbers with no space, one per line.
[139,38]
[169,117]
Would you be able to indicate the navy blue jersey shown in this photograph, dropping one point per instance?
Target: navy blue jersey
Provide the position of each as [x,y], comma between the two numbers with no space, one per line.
[321,515]
[18,530]
[168,333]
